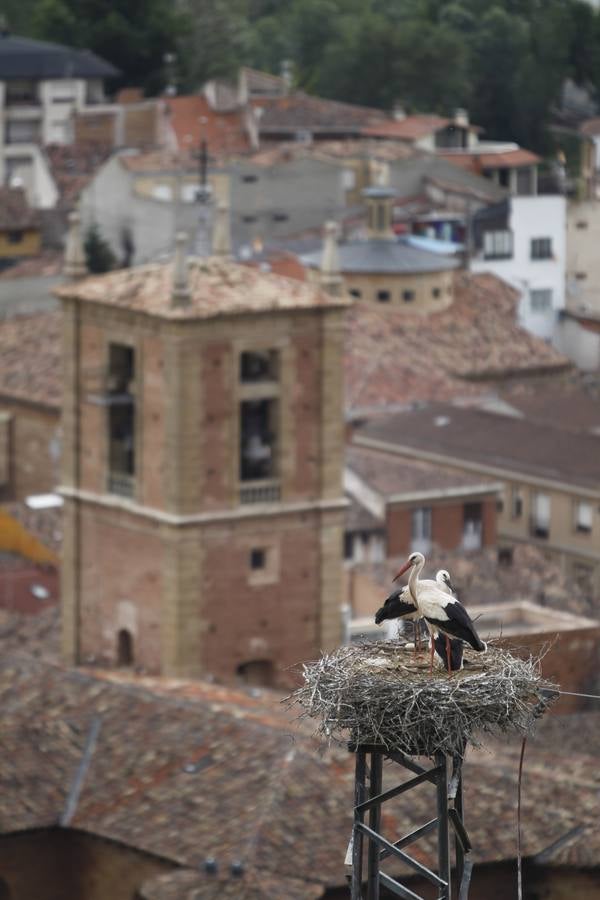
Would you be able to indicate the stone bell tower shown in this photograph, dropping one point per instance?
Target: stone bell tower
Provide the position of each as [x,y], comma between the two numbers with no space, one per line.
[203,444]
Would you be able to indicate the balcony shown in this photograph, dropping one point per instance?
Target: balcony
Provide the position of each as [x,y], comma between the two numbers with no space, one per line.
[121,484]
[262,491]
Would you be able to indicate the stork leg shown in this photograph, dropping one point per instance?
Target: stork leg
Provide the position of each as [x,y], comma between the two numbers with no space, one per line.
[448,655]
[416,635]
[432,652]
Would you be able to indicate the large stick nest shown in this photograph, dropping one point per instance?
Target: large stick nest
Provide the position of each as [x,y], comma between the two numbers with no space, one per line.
[380,693]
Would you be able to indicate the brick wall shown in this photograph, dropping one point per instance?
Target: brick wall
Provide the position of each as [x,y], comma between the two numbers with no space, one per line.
[398,530]
[32,449]
[447,523]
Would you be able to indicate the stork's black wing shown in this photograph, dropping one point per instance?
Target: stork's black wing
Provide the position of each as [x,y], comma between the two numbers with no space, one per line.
[459,625]
[456,652]
[396,606]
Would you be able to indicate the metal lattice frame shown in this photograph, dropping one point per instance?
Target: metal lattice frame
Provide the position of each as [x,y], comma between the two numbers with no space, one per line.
[369,798]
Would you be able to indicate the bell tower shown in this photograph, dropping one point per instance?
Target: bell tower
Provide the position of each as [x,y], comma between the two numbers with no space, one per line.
[203,444]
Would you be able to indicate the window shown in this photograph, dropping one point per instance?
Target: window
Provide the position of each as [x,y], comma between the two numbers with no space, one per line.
[541,248]
[473,526]
[280,217]
[22,132]
[162,192]
[581,225]
[421,529]
[257,439]
[249,179]
[121,419]
[540,301]
[516,503]
[436,293]
[408,296]
[580,276]
[19,91]
[584,515]
[383,296]
[258,365]
[249,219]
[15,237]
[505,556]
[348,545]
[258,558]
[124,648]
[354,292]
[540,518]
[497,245]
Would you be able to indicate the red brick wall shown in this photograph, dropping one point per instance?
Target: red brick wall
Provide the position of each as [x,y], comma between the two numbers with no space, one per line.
[151,439]
[122,562]
[307,378]
[447,523]
[216,444]
[490,517]
[34,435]
[276,621]
[398,530]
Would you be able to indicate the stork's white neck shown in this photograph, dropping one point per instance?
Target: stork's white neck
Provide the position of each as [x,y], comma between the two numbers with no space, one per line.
[413,580]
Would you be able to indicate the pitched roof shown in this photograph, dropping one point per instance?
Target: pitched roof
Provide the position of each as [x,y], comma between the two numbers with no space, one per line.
[591,127]
[411,128]
[492,441]
[478,160]
[25,58]
[393,477]
[30,358]
[15,212]
[399,357]
[217,288]
[303,111]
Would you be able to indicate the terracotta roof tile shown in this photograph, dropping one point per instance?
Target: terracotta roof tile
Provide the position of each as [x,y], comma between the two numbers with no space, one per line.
[477,161]
[304,111]
[410,128]
[192,120]
[217,288]
[30,355]
[396,358]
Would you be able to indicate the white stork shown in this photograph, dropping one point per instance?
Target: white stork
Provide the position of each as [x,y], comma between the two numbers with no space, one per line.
[401,605]
[441,610]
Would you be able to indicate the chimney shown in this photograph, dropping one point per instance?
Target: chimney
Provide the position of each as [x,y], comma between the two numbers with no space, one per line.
[461,117]
[287,74]
[74,264]
[180,294]
[221,236]
[330,278]
[398,111]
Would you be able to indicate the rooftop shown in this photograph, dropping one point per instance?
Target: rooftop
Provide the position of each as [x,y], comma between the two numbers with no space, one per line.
[15,212]
[492,442]
[30,358]
[25,58]
[193,120]
[480,158]
[386,257]
[394,477]
[394,358]
[303,111]
[411,128]
[217,288]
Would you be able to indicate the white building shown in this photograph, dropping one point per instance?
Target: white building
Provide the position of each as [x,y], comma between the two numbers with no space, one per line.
[42,85]
[523,241]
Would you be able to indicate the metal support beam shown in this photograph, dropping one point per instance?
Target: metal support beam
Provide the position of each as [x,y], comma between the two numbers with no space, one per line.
[369,797]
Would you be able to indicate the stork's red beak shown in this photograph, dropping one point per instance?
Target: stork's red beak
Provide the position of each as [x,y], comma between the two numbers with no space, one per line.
[401,571]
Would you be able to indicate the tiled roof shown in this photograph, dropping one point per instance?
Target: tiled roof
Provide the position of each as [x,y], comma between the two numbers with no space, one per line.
[410,128]
[22,57]
[502,443]
[30,358]
[217,288]
[15,212]
[590,127]
[302,111]
[479,161]
[574,401]
[193,120]
[399,357]
[158,161]
[73,166]
[392,476]
[359,518]
[199,771]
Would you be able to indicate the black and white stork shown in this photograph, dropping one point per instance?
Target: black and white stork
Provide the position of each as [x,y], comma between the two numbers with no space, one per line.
[455,662]
[401,605]
[442,612]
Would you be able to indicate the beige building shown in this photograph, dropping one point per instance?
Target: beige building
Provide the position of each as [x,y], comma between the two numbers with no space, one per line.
[385,270]
[202,464]
[551,476]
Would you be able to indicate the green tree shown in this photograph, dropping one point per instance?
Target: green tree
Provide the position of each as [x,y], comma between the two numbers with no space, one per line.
[98,254]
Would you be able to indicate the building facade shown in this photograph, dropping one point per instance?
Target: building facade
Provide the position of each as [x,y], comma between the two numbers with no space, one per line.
[202,471]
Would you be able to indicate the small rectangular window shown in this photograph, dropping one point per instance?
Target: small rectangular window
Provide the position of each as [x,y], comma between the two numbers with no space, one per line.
[408,296]
[249,179]
[258,558]
[540,301]
[280,217]
[248,219]
[354,292]
[383,296]
[540,518]
[584,515]
[436,293]
[505,556]
[541,248]
[516,503]
[498,244]
[348,545]
[258,432]
[15,237]
[581,225]
[580,276]
[421,524]
[258,365]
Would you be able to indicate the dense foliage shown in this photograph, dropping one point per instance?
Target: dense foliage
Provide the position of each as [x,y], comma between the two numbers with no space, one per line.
[504,60]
